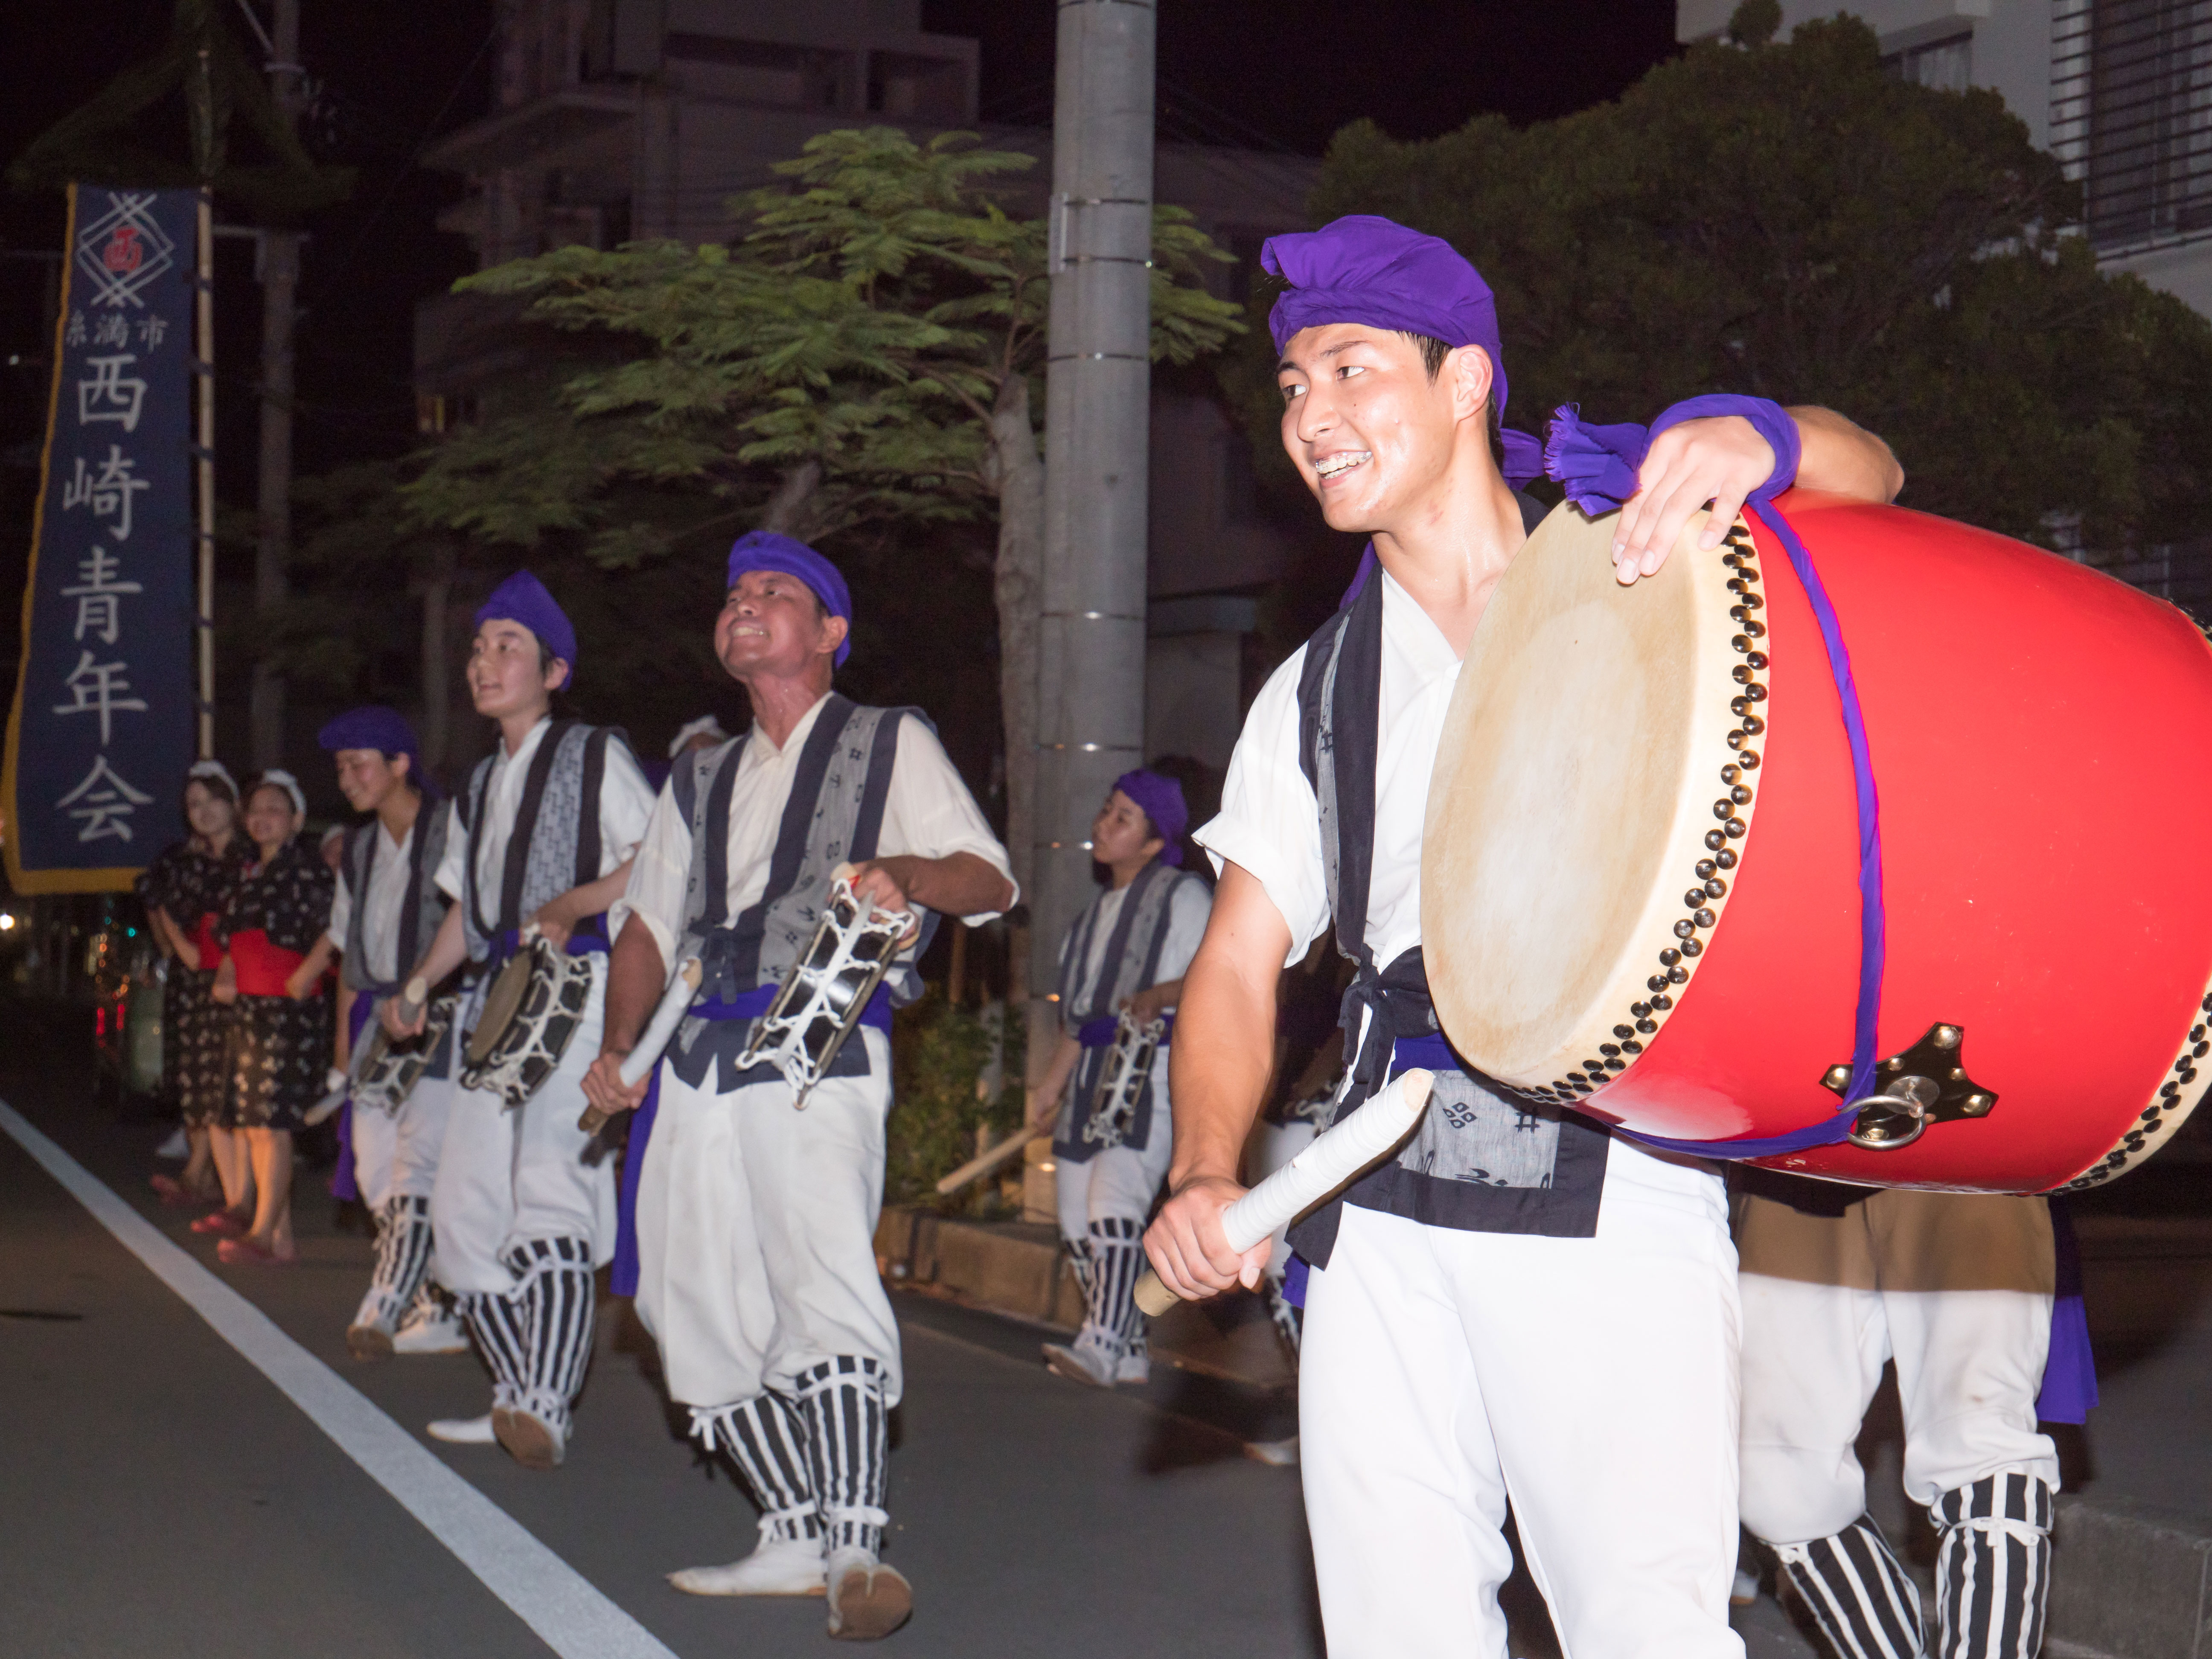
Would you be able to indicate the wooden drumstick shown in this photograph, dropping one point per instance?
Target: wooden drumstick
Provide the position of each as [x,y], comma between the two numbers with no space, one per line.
[983,1162]
[1334,1158]
[413,999]
[675,1003]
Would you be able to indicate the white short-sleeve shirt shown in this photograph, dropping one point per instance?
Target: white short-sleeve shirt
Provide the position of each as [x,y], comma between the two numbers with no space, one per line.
[928,813]
[1270,824]
[625,804]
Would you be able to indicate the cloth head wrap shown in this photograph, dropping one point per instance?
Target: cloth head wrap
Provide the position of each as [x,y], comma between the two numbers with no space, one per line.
[372,726]
[763,550]
[335,832]
[705,727]
[1162,799]
[212,771]
[523,599]
[277,778]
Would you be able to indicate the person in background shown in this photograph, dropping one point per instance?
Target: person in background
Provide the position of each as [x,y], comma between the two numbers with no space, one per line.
[333,846]
[1125,953]
[277,1043]
[184,890]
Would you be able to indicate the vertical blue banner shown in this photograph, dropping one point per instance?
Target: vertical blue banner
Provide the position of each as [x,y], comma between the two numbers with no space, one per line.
[103,722]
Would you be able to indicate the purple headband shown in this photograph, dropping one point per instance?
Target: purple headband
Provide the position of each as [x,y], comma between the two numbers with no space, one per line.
[386,729]
[1162,799]
[523,599]
[763,550]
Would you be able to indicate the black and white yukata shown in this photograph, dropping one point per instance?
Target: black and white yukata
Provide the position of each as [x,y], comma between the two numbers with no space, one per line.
[1126,939]
[1957,1288]
[1519,1308]
[192,885]
[521,1219]
[276,1050]
[385,911]
[756,1222]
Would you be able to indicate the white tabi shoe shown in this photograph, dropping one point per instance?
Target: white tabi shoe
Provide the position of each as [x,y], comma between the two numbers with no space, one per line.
[436,1334]
[1745,1591]
[1275,1454]
[1081,1362]
[1134,1366]
[464,1430]
[868,1599]
[529,1438]
[777,1566]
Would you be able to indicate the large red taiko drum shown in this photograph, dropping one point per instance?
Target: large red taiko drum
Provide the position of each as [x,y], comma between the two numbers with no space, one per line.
[1641,871]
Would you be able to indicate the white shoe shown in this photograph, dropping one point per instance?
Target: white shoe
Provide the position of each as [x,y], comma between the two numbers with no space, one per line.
[529,1438]
[464,1430]
[777,1566]
[868,1599]
[1275,1454]
[1745,1591]
[437,1335]
[1134,1366]
[177,1148]
[1080,1362]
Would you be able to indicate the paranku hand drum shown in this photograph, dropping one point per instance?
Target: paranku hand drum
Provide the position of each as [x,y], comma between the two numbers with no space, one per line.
[1641,876]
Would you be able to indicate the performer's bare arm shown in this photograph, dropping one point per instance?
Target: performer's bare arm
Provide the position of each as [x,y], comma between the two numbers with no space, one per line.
[173,936]
[635,978]
[557,918]
[1045,1100]
[300,984]
[1149,1004]
[960,884]
[1722,459]
[1218,1070]
[445,953]
[341,1044]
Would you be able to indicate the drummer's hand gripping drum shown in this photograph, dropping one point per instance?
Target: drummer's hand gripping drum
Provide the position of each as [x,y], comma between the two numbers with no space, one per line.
[827,989]
[1129,1067]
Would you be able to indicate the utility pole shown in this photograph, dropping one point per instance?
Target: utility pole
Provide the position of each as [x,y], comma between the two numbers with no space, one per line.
[279,259]
[1090,691]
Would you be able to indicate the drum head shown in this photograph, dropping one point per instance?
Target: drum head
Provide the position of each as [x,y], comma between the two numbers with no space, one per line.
[1573,792]
[502,1002]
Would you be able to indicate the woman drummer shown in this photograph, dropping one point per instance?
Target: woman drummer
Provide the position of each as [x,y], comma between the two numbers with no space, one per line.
[184,890]
[279,1022]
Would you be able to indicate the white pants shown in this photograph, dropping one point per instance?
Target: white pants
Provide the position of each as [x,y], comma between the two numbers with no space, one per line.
[756,1233]
[1955,1287]
[395,1155]
[507,1176]
[1589,1382]
[1118,1181]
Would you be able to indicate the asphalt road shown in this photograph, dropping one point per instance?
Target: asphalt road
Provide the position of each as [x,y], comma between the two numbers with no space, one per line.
[163,1496]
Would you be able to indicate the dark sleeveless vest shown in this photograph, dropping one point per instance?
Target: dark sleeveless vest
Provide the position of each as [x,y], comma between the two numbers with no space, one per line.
[555,843]
[1484,1159]
[423,909]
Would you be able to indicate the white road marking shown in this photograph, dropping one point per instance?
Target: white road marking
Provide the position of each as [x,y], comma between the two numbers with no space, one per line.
[548,1595]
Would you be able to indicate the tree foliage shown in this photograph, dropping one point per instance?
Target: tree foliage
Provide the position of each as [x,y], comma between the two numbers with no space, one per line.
[1789,220]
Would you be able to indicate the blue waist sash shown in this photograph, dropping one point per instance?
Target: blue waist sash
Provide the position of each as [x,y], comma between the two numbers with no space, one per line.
[1099,1032]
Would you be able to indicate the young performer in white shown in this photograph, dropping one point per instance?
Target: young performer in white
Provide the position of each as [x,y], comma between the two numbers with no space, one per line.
[1127,950]
[385,909]
[544,837]
[1958,1290]
[1517,1304]
[756,1221]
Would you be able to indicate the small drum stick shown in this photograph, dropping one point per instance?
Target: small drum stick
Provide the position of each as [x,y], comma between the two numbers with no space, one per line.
[1332,1160]
[675,1003]
[413,999]
[983,1162]
[339,1084]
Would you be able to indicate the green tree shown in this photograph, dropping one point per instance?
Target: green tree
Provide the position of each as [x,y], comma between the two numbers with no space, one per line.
[863,356]
[1787,220]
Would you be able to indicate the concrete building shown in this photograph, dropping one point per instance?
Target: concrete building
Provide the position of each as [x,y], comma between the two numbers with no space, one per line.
[624,119]
[2119,90]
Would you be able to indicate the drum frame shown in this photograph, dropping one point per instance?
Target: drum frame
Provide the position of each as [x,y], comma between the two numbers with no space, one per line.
[827,990]
[1128,1069]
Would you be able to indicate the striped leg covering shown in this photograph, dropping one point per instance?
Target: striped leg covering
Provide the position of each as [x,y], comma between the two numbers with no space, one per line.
[557,1289]
[1117,1258]
[403,1255]
[1993,1566]
[849,1447]
[1859,1593]
[766,1438]
[500,1325]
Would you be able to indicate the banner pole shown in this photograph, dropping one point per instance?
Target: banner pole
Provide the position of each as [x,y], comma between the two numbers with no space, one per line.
[203,290]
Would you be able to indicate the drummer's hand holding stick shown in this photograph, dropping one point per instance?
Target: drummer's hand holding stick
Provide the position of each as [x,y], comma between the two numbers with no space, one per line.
[957,884]
[404,1015]
[1218,1070]
[637,978]
[1722,459]
[557,917]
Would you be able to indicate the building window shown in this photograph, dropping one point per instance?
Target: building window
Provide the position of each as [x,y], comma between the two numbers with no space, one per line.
[1943,65]
[2131,116]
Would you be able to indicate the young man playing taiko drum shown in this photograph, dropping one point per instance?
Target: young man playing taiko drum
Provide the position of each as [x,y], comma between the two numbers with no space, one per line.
[1519,1305]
